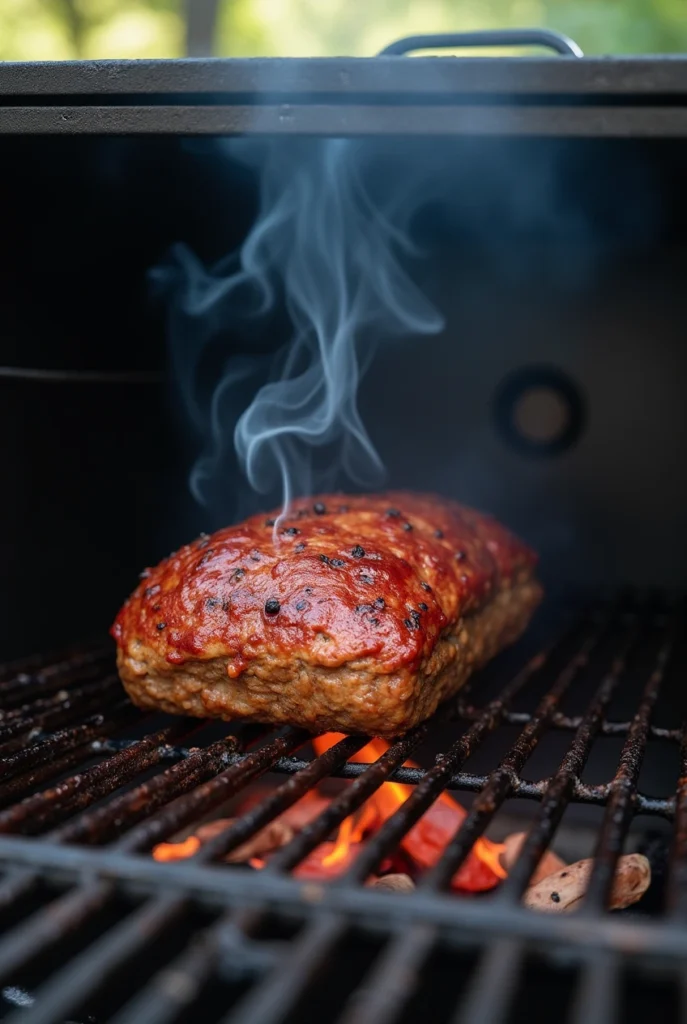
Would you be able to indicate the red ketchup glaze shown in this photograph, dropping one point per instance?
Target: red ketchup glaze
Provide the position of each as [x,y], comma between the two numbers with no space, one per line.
[339,578]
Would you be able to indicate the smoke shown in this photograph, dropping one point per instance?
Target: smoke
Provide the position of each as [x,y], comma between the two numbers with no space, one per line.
[337,256]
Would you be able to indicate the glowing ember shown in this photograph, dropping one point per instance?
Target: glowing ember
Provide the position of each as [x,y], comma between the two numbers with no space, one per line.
[421,847]
[177,851]
[327,860]
[427,839]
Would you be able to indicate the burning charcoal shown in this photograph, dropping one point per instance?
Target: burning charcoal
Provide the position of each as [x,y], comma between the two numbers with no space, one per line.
[304,811]
[327,861]
[565,889]
[268,839]
[424,844]
[549,863]
[393,883]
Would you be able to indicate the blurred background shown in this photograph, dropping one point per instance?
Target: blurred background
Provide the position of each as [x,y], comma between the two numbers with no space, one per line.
[67,29]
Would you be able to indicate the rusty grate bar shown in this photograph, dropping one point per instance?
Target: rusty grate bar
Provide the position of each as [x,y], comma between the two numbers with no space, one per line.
[109,798]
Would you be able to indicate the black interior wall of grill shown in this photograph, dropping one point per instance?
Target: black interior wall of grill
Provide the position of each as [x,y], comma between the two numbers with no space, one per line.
[569,253]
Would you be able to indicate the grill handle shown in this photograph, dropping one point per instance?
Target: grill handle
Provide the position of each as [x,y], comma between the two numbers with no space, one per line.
[506,37]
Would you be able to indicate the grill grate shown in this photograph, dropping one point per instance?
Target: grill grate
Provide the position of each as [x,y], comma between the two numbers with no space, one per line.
[94,929]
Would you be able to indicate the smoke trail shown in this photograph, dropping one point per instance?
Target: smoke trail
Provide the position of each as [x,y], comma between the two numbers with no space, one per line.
[335,254]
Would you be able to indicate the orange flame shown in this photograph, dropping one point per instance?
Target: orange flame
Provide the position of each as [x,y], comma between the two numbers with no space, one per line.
[424,843]
[177,851]
[427,839]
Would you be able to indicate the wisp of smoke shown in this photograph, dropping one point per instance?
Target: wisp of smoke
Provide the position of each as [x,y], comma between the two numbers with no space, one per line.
[336,255]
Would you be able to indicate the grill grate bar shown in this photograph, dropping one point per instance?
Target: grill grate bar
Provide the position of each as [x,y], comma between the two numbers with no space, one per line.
[596,1000]
[621,805]
[463,782]
[24,671]
[66,739]
[271,1001]
[25,784]
[24,944]
[14,692]
[500,783]
[104,823]
[47,731]
[434,781]
[21,945]
[393,980]
[188,807]
[117,948]
[493,984]
[284,797]
[677,879]
[71,707]
[568,723]
[222,887]
[346,803]
[175,987]
[80,791]
[561,788]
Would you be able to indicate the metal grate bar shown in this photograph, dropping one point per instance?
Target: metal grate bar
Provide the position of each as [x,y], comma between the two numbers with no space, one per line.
[118,947]
[121,945]
[568,723]
[66,739]
[393,980]
[22,945]
[175,987]
[562,787]
[79,791]
[52,678]
[500,783]
[434,781]
[284,797]
[57,708]
[260,1008]
[597,996]
[621,802]
[467,782]
[188,807]
[347,803]
[492,988]
[274,998]
[677,880]
[128,793]
[487,999]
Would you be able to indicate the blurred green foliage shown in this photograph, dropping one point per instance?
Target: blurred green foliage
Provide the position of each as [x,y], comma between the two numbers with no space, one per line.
[63,29]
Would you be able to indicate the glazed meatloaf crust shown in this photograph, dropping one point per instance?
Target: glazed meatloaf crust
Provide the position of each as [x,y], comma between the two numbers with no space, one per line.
[354,614]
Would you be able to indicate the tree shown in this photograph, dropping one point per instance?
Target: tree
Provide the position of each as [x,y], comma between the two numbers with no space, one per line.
[63,29]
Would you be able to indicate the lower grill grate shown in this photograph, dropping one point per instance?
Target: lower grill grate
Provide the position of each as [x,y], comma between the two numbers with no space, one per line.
[94,929]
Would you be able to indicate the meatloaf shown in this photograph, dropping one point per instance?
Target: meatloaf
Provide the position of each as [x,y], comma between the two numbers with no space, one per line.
[353,614]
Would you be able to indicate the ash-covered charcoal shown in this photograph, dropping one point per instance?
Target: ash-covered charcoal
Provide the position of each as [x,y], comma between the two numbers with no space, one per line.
[549,863]
[393,883]
[564,890]
[274,835]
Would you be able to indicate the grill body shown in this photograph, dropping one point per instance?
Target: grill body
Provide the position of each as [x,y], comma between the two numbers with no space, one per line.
[554,235]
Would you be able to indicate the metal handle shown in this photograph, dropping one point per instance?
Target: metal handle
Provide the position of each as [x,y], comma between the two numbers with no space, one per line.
[507,37]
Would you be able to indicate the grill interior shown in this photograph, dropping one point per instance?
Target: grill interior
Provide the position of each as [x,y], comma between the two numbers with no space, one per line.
[577,727]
